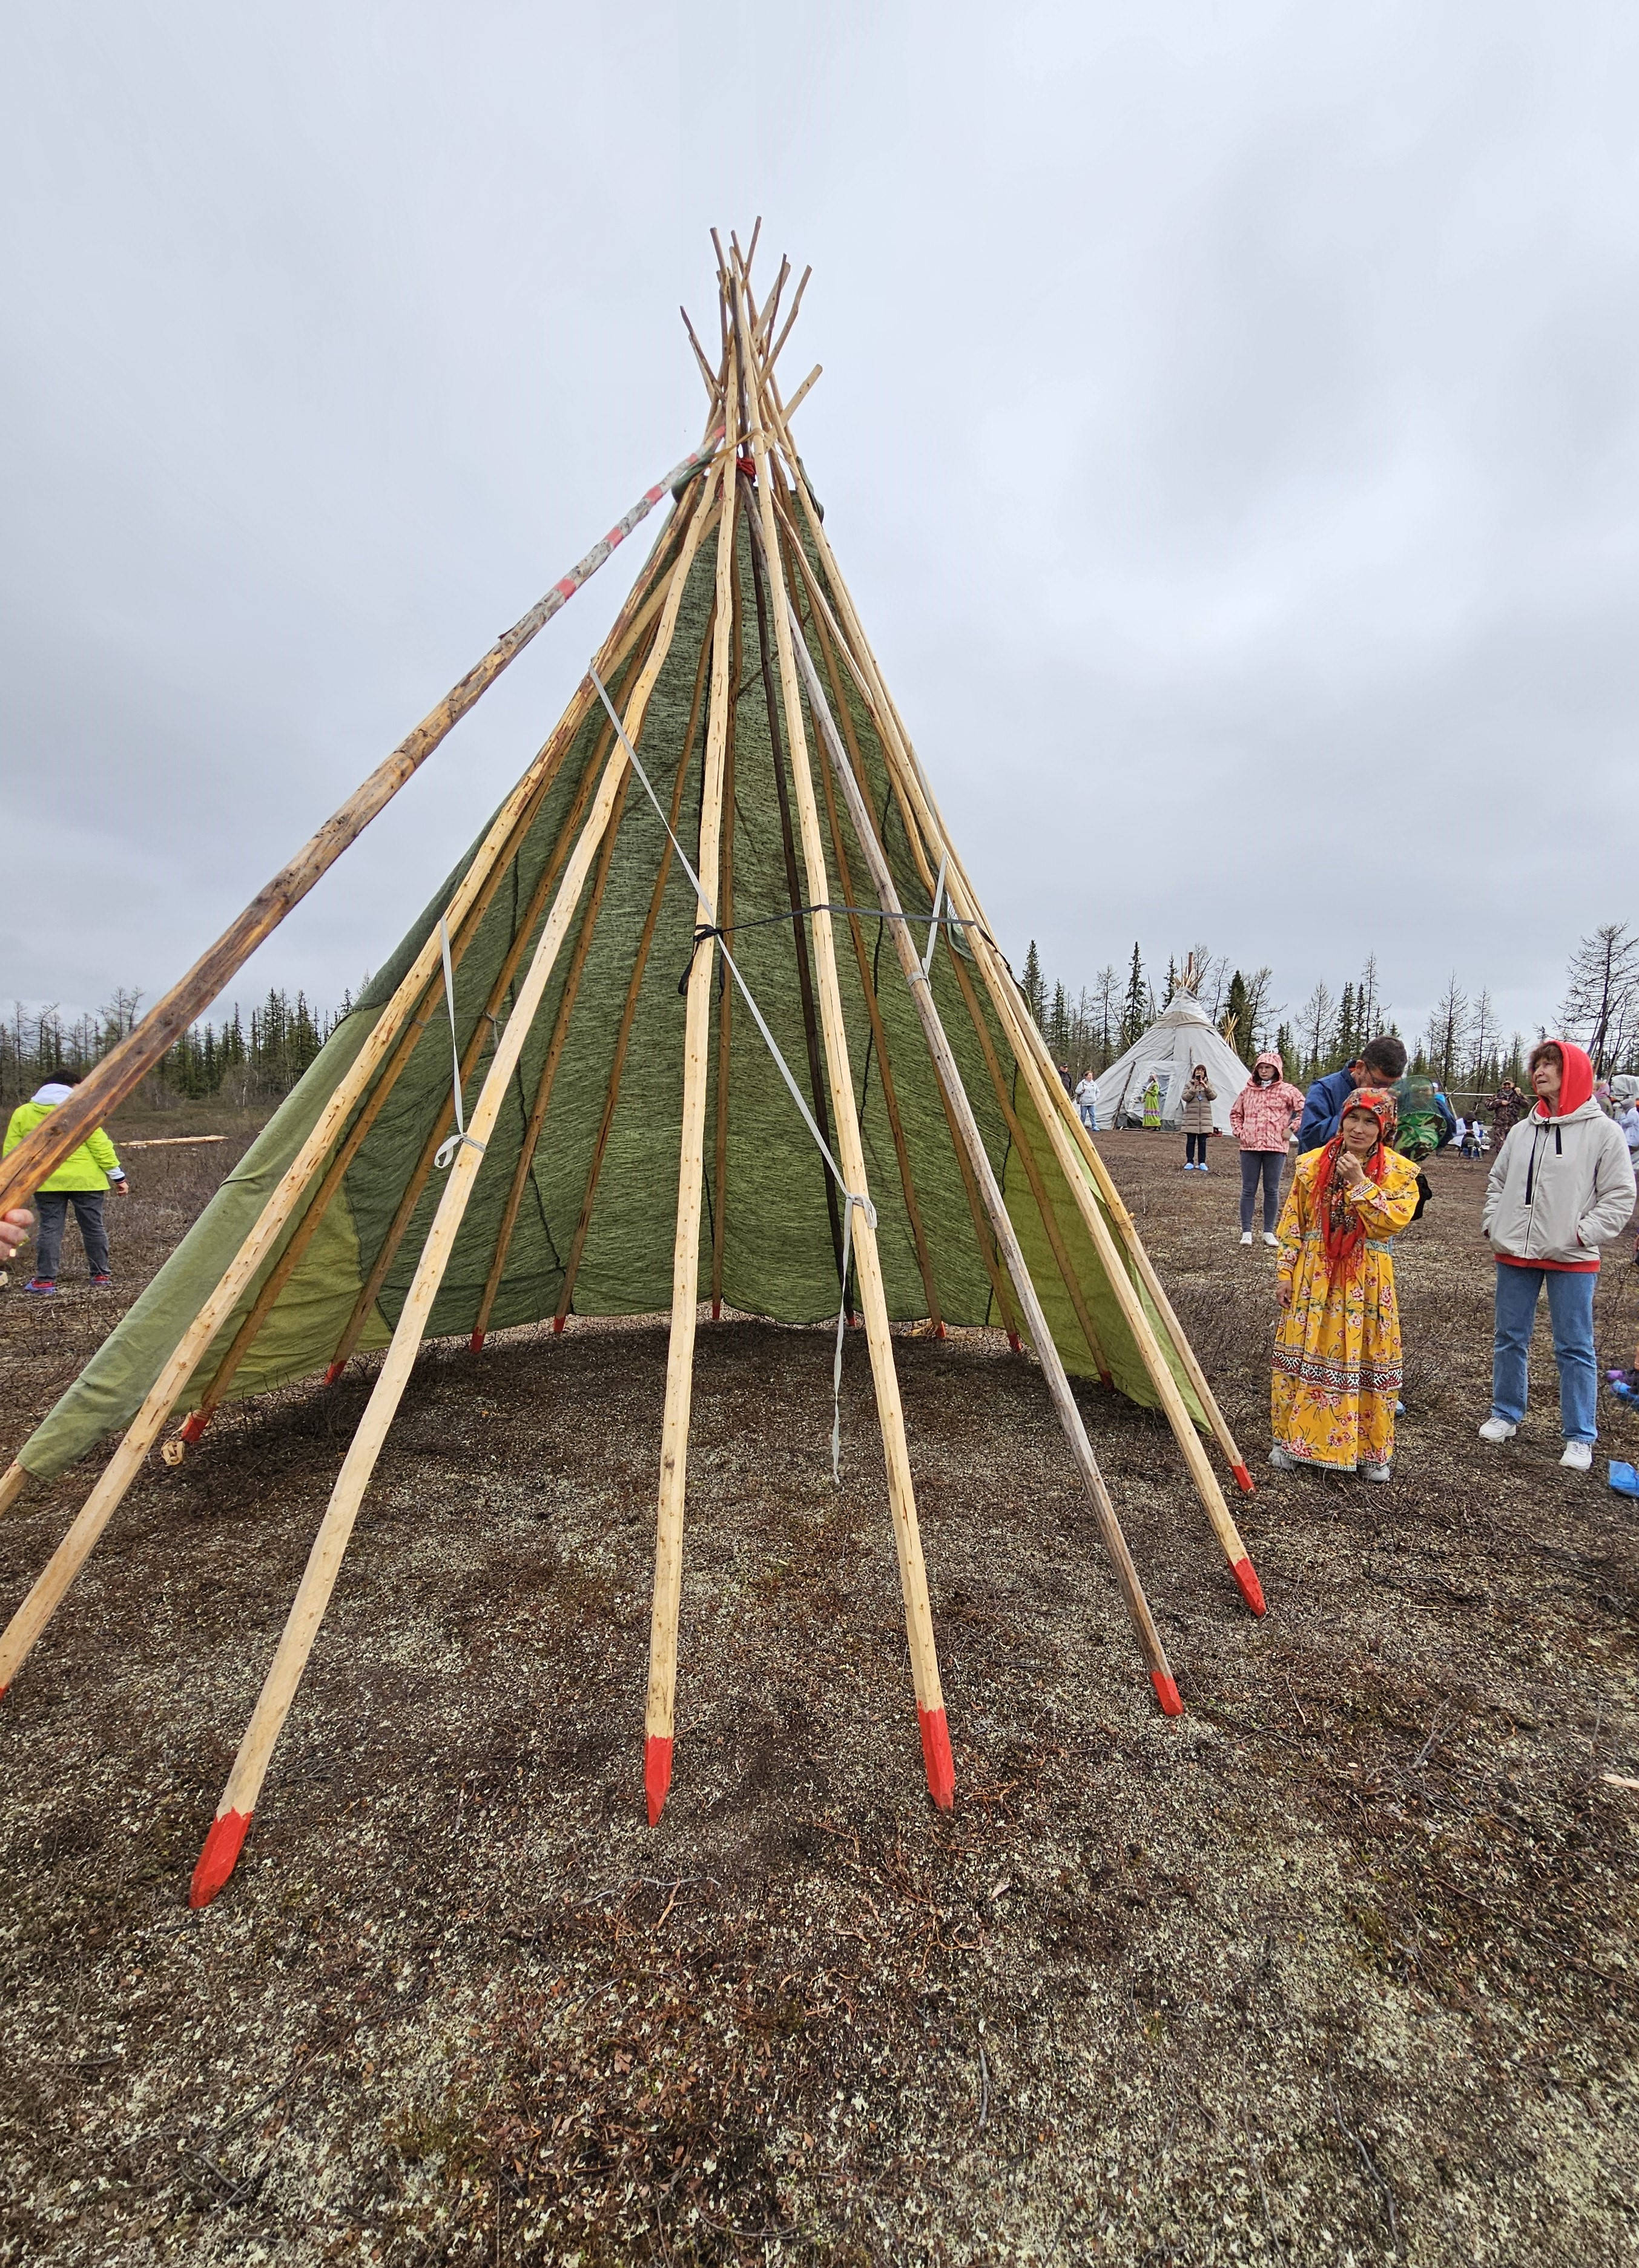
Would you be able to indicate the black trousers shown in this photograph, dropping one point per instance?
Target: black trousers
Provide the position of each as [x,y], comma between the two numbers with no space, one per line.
[1194,1149]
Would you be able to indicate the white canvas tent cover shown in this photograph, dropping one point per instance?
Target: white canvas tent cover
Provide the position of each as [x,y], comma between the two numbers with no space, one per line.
[1183,1036]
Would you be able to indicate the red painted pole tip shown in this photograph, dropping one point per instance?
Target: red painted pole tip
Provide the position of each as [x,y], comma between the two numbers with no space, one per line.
[219,1857]
[191,1428]
[558,1325]
[1013,1341]
[936,1757]
[1243,1479]
[1166,1693]
[1246,1575]
[334,1372]
[476,1342]
[717,1311]
[656,1774]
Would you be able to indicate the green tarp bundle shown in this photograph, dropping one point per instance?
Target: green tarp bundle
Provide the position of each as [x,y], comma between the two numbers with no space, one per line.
[779,1257]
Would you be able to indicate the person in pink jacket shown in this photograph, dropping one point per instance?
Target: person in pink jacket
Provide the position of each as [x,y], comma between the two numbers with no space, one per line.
[1263,1114]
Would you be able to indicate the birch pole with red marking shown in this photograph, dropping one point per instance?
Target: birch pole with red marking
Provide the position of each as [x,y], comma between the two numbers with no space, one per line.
[234,1812]
[877,697]
[961,1112]
[1029,1052]
[930,1704]
[122,1070]
[660,1708]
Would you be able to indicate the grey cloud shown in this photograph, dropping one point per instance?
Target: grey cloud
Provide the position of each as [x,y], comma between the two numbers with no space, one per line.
[1229,427]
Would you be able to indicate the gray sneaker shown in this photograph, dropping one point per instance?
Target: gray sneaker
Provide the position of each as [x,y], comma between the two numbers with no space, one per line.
[1374,1473]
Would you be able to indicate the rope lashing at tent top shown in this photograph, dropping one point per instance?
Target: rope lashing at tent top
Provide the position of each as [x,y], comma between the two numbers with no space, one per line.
[901,1149]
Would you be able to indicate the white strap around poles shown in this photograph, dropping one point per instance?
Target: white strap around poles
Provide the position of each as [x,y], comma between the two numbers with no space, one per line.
[932,919]
[850,1196]
[446,1149]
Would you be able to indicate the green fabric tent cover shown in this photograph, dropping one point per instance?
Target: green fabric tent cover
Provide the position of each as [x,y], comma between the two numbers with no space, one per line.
[780,1258]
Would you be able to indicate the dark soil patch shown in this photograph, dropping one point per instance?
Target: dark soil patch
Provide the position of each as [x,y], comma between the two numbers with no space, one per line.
[1336,1969]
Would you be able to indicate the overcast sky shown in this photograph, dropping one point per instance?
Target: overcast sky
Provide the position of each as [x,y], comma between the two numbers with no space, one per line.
[1228,430]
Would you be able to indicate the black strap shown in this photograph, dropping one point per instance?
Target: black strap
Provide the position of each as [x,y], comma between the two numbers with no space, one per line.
[704,930]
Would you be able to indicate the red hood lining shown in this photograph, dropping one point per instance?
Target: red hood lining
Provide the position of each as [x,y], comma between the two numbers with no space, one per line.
[1577,1086]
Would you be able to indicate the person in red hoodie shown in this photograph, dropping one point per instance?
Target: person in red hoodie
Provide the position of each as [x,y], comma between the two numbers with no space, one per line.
[1561,1186]
[1262,1117]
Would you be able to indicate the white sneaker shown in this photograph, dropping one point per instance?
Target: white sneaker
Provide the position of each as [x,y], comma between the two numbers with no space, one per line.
[1282,1460]
[1578,1455]
[1374,1473]
[1246,1236]
[1498,1429]
[1267,1239]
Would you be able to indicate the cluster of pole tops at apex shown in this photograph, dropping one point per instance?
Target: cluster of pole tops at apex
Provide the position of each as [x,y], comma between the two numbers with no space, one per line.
[730,810]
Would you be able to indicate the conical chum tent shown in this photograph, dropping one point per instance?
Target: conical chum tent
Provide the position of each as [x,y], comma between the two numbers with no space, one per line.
[1183,1035]
[709,1012]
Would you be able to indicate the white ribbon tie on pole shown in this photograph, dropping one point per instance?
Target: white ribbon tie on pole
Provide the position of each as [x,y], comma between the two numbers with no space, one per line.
[446,1149]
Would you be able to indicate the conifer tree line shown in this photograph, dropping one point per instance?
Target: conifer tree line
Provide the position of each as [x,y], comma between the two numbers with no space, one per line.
[244,1060]
[259,1060]
[1461,1047]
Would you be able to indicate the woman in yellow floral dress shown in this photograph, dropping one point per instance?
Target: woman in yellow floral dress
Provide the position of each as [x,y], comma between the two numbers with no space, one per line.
[1337,1348]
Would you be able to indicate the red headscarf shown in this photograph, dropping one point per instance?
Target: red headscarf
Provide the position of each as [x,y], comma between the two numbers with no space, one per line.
[1342,1229]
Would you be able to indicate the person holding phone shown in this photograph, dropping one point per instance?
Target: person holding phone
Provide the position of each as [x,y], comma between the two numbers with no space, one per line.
[1337,1351]
[1198,1097]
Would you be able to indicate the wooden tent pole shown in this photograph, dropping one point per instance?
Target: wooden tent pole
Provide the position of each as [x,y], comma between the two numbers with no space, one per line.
[305,1229]
[279,1275]
[1127,1228]
[100,1506]
[121,1470]
[122,1070]
[404,1213]
[973,1143]
[726,992]
[1033,1174]
[879,1035]
[983,1236]
[794,894]
[226,1837]
[902,762]
[901,1494]
[888,722]
[641,603]
[233,1813]
[548,1074]
[1040,1085]
[622,1036]
[659,1719]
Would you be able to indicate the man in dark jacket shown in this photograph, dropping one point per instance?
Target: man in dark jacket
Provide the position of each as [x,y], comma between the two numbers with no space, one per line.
[1380,1062]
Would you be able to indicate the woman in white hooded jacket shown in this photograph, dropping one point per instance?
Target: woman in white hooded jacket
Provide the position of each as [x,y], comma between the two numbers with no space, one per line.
[1561,1186]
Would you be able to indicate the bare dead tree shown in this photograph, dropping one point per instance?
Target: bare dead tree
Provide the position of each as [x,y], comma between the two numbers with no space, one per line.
[1601,1006]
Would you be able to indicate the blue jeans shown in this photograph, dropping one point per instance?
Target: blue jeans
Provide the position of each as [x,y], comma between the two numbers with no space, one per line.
[1570,1311]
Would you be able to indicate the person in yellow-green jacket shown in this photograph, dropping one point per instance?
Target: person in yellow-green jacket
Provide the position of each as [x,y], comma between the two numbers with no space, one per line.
[82,1180]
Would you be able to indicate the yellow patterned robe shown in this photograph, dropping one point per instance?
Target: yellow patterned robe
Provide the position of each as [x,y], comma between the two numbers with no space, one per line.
[1337,1347]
